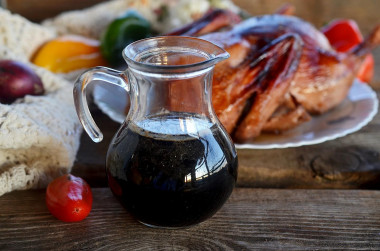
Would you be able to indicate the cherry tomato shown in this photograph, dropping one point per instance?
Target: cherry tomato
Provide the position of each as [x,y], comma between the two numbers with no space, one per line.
[343,35]
[69,198]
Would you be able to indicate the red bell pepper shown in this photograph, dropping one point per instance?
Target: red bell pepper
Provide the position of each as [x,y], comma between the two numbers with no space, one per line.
[366,71]
[343,35]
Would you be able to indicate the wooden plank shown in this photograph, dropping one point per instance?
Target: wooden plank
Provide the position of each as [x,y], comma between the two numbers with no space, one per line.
[90,159]
[349,162]
[251,219]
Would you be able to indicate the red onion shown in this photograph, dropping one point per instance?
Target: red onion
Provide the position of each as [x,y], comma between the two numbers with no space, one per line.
[17,80]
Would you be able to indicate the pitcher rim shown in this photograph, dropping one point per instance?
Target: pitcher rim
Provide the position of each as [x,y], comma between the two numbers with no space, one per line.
[211,59]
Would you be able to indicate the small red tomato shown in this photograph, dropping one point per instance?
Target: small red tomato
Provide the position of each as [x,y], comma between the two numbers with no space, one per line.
[69,198]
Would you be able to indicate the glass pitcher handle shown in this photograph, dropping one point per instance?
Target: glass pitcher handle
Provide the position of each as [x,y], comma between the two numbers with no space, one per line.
[104,74]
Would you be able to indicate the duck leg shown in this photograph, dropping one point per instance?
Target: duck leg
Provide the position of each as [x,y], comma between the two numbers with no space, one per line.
[280,58]
[250,92]
[325,77]
[287,116]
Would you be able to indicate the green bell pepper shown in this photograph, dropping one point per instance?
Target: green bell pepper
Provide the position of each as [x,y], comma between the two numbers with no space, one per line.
[122,31]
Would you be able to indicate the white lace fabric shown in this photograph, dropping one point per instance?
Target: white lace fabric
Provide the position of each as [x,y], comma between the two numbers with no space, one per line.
[39,135]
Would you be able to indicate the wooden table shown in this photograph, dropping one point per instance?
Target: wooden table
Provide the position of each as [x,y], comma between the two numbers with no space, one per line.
[263,219]
[299,216]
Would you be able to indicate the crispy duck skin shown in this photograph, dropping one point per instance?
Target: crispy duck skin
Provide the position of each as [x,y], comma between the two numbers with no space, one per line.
[264,67]
[282,56]
[288,120]
[246,86]
[287,116]
[324,76]
[211,22]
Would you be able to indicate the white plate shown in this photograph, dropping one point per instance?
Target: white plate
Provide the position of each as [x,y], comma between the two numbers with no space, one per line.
[356,111]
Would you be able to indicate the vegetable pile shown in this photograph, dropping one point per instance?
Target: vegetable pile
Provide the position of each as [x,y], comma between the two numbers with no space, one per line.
[73,52]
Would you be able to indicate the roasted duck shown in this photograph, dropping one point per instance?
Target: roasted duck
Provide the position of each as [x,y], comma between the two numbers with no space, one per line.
[281,70]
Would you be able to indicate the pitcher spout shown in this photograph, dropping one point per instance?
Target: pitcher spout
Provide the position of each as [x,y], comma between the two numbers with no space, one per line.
[221,55]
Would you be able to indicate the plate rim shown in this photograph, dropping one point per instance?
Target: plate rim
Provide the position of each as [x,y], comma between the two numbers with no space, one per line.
[319,140]
[115,116]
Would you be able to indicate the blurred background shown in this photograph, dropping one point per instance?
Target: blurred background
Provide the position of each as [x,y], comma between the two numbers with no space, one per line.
[318,12]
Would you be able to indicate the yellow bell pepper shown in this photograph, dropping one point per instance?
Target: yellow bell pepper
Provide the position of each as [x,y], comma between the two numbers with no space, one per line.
[68,53]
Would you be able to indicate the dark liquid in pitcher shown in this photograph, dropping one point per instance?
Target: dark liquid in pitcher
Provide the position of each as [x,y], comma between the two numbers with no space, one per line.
[168,178]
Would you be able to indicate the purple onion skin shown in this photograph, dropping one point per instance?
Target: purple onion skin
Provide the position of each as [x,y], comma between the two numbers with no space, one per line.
[18,80]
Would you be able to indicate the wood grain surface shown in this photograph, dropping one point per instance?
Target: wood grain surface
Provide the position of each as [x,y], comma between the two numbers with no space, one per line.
[260,219]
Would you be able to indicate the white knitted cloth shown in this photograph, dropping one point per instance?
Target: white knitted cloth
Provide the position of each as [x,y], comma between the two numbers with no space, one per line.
[39,135]
[21,36]
[164,15]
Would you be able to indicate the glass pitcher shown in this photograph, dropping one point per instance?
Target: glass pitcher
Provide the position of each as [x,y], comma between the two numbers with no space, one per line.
[171,163]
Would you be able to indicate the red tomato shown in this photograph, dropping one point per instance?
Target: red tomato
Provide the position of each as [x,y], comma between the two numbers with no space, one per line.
[69,198]
[343,35]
